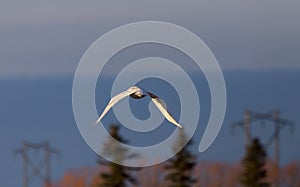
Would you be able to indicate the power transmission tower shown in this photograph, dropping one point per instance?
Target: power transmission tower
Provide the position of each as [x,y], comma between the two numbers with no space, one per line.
[41,170]
[249,117]
[279,123]
[276,121]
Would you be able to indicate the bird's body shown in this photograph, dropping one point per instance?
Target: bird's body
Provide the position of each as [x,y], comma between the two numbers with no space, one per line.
[137,93]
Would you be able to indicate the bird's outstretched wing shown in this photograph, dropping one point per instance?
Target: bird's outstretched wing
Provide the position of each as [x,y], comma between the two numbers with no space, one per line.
[116,99]
[163,109]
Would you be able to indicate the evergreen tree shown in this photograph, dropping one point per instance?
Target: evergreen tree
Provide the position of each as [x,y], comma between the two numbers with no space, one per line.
[253,163]
[180,167]
[118,175]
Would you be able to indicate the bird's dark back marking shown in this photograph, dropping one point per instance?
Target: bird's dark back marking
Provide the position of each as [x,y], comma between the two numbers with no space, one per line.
[136,97]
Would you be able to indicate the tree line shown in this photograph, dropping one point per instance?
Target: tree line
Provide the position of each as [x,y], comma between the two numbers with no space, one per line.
[182,170]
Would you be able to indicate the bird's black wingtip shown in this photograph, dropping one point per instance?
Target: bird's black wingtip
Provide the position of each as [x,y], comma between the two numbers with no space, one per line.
[152,95]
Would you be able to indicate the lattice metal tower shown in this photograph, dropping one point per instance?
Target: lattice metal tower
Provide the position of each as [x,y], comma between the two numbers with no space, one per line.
[31,169]
[276,121]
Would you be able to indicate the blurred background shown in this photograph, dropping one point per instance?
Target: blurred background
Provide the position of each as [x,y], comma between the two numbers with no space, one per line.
[256,43]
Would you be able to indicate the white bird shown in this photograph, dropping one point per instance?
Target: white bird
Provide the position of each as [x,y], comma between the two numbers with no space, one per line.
[137,93]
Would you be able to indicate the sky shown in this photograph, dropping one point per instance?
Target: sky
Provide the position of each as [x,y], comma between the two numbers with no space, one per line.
[256,44]
[49,37]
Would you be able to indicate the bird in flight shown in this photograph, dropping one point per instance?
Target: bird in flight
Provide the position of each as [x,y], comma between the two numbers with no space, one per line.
[137,93]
